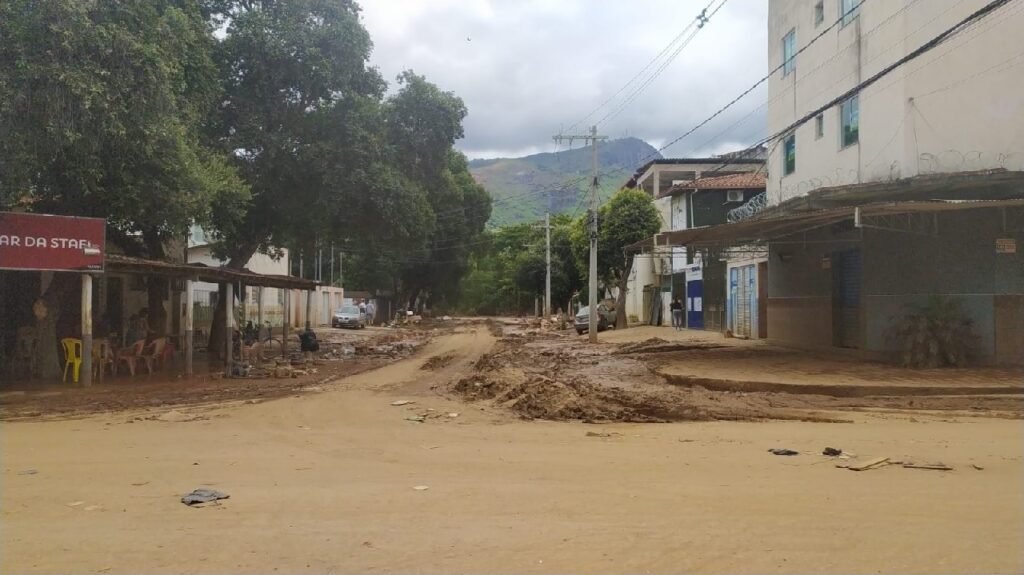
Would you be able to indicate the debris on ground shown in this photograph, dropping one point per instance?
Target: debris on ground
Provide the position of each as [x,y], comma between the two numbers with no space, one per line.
[601,434]
[28,472]
[175,416]
[416,418]
[439,361]
[832,452]
[421,487]
[198,497]
[934,466]
[781,451]
[978,467]
[866,465]
[400,402]
[453,414]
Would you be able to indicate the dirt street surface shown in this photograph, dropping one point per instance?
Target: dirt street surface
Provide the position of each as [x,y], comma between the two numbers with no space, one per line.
[470,453]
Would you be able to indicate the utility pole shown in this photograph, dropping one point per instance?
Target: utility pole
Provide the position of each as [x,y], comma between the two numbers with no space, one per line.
[593,138]
[547,276]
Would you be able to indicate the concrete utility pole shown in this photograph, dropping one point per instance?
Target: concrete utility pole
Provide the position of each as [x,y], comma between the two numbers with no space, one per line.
[593,138]
[547,276]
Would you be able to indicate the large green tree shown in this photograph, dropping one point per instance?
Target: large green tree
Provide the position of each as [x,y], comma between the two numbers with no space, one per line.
[628,217]
[508,270]
[102,112]
[423,123]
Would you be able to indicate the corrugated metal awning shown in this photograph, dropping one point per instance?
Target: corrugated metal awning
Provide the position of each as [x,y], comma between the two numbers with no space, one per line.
[764,228]
[116,263]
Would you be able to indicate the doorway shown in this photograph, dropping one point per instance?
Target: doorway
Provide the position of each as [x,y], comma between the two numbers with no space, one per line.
[846,299]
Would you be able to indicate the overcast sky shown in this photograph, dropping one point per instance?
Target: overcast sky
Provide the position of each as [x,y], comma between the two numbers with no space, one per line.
[529,68]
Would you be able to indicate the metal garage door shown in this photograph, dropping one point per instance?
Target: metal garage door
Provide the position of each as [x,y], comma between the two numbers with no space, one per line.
[742,300]
[849,299]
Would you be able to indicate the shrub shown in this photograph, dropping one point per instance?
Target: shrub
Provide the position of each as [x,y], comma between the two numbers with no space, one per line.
[935,334]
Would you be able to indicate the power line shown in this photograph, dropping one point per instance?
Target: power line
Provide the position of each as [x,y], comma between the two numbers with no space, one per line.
[957,28]
[629,82]
[803,76]
[633,96]
[759,82]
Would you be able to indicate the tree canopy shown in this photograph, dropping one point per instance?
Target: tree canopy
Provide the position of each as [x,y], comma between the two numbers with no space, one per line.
[260,120]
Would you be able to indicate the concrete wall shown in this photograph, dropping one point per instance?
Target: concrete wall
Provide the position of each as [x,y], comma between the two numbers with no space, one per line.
[902,269]
[799,288]
[953,109]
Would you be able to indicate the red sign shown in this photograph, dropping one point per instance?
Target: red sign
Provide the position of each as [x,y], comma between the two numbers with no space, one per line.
[44,242]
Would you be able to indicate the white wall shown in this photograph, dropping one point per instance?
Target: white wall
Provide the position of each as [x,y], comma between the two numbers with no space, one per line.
[958,107]
[273,298]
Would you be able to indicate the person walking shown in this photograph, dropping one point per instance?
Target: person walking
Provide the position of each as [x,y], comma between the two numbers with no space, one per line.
[370,312]
[677,314]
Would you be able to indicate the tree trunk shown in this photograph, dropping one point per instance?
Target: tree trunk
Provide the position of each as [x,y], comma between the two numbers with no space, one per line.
[215,346]
[49,356]
[413,295]
[621,320]
[156,287]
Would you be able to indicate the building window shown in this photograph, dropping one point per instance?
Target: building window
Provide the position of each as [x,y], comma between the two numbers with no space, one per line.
[849,10]
[849,112]
[788,154]
[819,12]
[789,53]
[819,126]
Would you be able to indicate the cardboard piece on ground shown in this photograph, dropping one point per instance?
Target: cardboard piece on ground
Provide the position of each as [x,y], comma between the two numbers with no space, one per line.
[935,466]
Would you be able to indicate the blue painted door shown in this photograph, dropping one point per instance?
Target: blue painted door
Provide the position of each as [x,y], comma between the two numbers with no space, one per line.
[695,304]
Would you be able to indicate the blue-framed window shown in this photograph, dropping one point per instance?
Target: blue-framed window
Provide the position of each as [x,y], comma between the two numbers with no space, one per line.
[849,9]
[849,113]
[789,52]
[788,154]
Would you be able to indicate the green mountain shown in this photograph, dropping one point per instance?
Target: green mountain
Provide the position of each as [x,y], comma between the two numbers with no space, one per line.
[524,188]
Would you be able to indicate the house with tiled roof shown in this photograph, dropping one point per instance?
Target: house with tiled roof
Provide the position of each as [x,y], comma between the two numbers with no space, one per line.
[689,193]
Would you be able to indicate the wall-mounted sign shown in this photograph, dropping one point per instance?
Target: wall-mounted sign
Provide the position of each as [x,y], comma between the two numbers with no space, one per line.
[1006,245]
[45,242]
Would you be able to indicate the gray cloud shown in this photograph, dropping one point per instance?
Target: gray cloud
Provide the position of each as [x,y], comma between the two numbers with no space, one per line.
[529,68]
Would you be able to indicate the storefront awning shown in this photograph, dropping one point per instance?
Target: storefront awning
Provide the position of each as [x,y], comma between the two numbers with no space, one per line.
[116,263]
[772,226]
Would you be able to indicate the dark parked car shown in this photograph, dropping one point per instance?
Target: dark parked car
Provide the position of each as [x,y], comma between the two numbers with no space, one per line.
[605,318]
[349,316]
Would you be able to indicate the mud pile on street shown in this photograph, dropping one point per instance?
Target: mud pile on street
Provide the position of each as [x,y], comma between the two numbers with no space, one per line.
[546,374]
[550,376]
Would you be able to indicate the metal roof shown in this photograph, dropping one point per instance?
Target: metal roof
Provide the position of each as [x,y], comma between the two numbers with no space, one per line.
[116,263]
[772,226]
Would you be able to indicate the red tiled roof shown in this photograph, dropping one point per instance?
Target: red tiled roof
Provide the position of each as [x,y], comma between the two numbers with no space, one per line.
[744,181]
[747,180]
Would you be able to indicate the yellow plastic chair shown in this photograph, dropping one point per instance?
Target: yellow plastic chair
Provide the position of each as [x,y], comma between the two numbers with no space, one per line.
[72,357]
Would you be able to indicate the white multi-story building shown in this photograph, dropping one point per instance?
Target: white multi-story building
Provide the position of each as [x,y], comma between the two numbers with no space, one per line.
[958,107]
[888,187]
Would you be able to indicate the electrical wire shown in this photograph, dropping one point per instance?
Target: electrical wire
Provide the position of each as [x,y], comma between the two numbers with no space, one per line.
[759,82]
[629,82]
[937,40]
[636,93]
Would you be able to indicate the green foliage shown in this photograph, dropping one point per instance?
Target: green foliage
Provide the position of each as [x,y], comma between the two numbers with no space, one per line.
[937,333]
[102,106]
[508,271]
[299,114]
[273,132]
[629,217]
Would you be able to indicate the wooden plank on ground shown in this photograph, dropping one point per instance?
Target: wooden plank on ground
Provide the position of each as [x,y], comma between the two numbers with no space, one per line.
[869,464]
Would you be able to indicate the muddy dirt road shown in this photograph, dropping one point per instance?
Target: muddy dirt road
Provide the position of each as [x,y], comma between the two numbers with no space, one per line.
[325,483]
